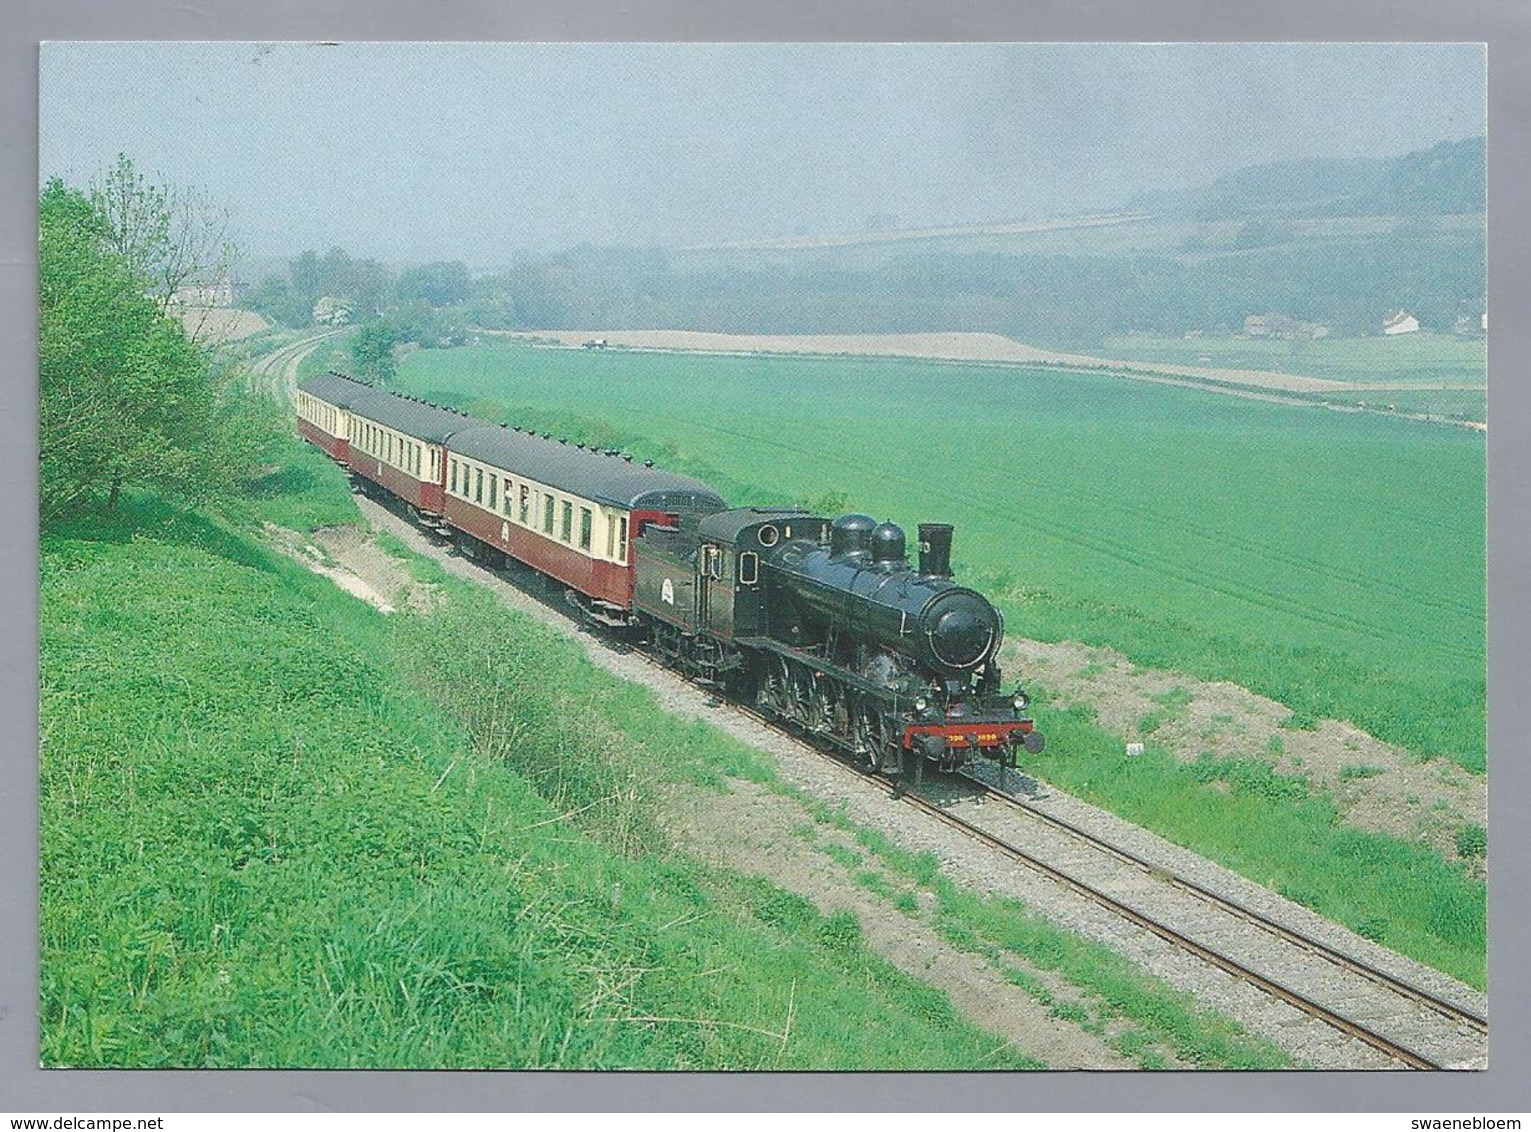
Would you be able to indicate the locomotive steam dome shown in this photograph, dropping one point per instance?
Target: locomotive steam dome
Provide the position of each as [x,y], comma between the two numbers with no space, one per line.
[851,534]
[888,543]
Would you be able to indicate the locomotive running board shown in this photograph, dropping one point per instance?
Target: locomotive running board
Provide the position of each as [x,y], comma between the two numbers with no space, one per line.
[767,644]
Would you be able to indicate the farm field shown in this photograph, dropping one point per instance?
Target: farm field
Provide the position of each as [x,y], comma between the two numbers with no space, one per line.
[1406,359]
[1331,561]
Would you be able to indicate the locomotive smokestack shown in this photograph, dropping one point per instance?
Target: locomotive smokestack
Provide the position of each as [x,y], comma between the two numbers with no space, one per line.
[936,550]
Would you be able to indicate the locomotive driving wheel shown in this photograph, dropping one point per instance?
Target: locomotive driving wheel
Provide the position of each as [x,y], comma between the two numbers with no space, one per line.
[774,697]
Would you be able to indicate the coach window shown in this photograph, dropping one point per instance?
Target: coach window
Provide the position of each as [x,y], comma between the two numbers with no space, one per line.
[568,522]
[478,485]
[611,536]
[622,539]
[547,513]
[749,568]
[494,484]
[453,466]
[526,503]
[505,497]
[586,519]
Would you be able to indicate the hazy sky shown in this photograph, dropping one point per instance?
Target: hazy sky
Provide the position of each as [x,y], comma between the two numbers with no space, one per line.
[427,151]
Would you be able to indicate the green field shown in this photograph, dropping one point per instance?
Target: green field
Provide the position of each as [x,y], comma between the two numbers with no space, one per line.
[1332,561]
[1402,359]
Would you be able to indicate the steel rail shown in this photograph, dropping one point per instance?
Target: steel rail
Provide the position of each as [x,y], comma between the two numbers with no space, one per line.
[1395,1050]
[1442,1006]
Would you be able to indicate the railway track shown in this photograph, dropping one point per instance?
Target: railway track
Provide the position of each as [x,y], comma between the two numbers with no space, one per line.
[1456,1040]
[1407,1025]
[278,370]
[1403,1032]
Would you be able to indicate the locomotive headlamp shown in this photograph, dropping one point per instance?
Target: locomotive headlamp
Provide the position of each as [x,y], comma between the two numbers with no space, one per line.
[1021,700]
[921,703]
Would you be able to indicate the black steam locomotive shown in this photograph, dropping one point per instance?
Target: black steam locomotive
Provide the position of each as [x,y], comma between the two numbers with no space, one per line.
[823,624]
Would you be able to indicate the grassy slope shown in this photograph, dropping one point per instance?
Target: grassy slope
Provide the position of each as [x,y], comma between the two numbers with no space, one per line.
[1332,562]
[261,845]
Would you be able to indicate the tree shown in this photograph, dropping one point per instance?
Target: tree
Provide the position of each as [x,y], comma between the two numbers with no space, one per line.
[439,284]
[125,397]
[167,236]
[372,349]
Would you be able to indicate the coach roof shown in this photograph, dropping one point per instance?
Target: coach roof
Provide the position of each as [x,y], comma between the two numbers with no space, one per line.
[584,472]
[335,388]
[419,419]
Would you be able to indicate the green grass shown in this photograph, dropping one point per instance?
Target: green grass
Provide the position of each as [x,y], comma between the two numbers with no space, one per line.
[263,844]
[334,353]
[1277,831]
[1331,561]
[302,491]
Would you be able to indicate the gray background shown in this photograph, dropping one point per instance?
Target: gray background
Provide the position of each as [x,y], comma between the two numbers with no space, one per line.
[1504,24]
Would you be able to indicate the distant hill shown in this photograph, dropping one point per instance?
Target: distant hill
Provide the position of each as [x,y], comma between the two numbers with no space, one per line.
[1446,178]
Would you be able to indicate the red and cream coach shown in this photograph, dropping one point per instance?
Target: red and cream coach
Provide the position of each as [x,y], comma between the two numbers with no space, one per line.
[324,416]
[400,444]
[566,510]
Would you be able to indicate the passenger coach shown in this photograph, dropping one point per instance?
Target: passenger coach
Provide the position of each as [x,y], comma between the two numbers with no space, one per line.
[564,509]
[324,416]
[400,444]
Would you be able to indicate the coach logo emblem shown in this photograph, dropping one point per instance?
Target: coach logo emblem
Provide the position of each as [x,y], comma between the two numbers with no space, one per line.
[504,532]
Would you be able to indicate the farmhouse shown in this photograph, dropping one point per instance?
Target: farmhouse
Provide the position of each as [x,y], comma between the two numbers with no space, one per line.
[1401,323]
[217,292]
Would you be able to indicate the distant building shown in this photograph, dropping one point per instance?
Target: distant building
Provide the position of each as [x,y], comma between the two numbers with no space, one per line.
[1273,325]
[1401,323]
[214,293]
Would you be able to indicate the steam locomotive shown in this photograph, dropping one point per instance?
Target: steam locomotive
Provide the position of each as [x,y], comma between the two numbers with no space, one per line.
[819,623]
